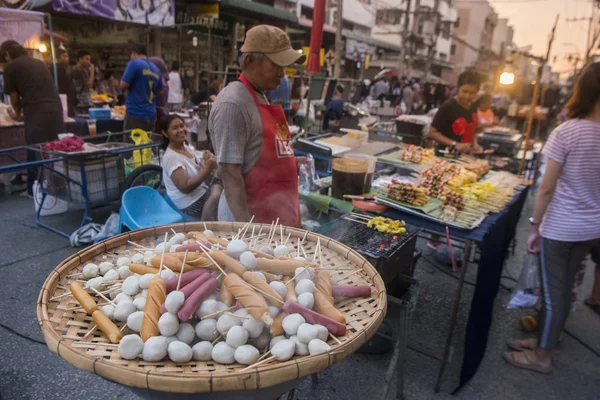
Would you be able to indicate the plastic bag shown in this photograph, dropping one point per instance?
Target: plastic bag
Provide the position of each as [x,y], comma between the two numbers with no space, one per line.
[527,291]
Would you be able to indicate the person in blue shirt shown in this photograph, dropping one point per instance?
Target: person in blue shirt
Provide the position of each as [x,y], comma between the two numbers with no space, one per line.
[281,95]
[335,108]
[143,82]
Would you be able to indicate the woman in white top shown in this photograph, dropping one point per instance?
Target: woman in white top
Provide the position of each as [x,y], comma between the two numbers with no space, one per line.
[188,175]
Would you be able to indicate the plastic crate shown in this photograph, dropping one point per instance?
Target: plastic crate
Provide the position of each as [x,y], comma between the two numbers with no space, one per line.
[103,176]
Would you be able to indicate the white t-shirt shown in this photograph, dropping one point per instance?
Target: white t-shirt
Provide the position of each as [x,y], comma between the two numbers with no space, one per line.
[175,88]
[171,161]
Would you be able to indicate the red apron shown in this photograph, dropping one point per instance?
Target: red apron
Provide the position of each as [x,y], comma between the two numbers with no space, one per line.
[272,183]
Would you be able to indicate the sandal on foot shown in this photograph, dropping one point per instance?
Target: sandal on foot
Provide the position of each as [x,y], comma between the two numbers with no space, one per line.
[525,360]
[522,344]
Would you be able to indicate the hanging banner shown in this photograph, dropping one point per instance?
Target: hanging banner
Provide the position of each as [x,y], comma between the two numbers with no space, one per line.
[148,12]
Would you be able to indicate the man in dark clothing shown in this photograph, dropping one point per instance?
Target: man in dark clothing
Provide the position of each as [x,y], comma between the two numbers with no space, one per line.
[65,84]
[83,76]
[335,108]
[33,97]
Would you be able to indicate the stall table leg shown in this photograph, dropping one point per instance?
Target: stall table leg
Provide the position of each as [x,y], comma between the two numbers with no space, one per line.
[466,256]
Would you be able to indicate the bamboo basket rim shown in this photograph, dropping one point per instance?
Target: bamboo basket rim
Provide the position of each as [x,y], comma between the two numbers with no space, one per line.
[138,373]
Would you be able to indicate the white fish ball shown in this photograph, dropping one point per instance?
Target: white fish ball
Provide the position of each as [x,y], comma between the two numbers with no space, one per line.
[284,350]
[223,353]
[167,274]
[246,354]
[253,327]
[179,352]
[130,347]
[212,296]
[170,339]
[202,351]
[168,324]
[237,336]
[207,307]
[303,273]
[111,275]
[104,267]
[260,275]
[123,310]
[178,238]
[145,280]
[221,306]
[275,340]
[186,333]
[307,332]
[95,283]
[323,333]
[172,248]
[242,312]
[291,323]
[90,271]
[248,260]
[155,349]
[307,300]
[266,249]
[236,247]
[139,303]
[143,293]
[158,250]
[131,286]
[208,233]
[174,301]
[305,286]
[148,261]
[279,287]
[274,311]
[137,258]
[149,253]
[301,348]
[124,272]
[134,321]
[205,329]
[317,346]
[108,310]
[121,297]
[281,251]
[123,261]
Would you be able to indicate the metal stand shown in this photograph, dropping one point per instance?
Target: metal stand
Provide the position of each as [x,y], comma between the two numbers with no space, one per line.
[453,318]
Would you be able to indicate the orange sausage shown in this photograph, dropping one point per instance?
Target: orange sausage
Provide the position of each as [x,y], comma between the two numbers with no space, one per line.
[324,307]
[252,301]
[109,328]
[291,289]
[273,295]
[279,267]
[83,298]
[230,263]
[171,262]
[323,283]
[157,292]
[142,269]
[226,296]
[276,328]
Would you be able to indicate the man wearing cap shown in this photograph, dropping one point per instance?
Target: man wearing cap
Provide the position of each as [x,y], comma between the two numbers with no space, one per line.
[251,138]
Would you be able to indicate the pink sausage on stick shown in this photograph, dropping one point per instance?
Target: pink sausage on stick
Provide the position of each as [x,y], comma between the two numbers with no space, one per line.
[189,289]
[188,277]
[346,291]
[187,311]
[313,317]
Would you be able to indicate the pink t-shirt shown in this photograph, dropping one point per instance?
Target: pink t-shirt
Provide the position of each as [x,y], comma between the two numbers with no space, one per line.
[574,212]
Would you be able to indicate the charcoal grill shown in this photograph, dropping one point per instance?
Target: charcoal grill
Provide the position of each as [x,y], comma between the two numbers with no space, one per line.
[390,254]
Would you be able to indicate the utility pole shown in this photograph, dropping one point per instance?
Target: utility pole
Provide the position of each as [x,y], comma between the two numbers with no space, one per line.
[415,30]
[339,41]
[405,34]
[437,18]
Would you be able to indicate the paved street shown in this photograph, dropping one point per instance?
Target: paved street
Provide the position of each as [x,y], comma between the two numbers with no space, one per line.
[28,370]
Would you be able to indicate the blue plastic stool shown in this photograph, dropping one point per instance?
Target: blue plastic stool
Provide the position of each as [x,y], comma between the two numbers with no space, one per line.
[186,218]
[143,207]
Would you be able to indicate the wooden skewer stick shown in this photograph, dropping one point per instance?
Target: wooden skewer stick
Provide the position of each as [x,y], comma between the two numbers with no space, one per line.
[61,296]
[266,360]
[270,231]
[350,274]
[274,231]
[218,312]
[173,230]
[138,245]
[162,257]
[205,228]
[251,236]
[317,249]
[88,333]
[258,237]
[294,277]
[104,297]
[303,252]
[281,233]
[264,354]
[182,268]
[74,275]
[287,238]
[93,344]
[320,255]
[299,244]
[266,294]
[246,227]
[235,316]
[217,339]
[338,341]
[123,327]
[212,259]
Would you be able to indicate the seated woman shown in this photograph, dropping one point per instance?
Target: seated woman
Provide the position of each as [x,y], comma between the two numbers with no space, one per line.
[189,175]
[485,114]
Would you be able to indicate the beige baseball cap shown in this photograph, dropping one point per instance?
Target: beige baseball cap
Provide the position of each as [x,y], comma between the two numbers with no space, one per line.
[273,43]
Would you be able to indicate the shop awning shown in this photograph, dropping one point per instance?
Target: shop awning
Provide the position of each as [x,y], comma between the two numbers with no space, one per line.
[262,9]
[370,40]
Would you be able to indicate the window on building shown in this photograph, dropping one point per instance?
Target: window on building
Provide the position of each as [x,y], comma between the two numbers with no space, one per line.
[443,56]
[445,31]
[457,22]
[453,49]
[420,30]
[388,17]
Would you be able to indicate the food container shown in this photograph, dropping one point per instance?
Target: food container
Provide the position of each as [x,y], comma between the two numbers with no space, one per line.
[99,113]
[355,139]
[370,172]
[348,177]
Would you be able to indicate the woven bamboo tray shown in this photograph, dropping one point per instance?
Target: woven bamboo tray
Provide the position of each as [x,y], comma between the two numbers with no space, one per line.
[62,326]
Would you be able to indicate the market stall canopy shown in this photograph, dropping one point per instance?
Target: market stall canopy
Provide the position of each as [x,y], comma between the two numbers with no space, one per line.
[56,36]
[160,14]
[25,27]
[316,37]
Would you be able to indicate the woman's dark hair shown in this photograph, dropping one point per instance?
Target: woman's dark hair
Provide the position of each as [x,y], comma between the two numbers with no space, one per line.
[586,93]
[216,84]
[175,65]
[14,50]
[82,53]
[469,78]
[164,124]
[485,98]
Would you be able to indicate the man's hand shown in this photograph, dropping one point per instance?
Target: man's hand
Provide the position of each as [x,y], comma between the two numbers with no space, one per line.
[12,114]
[463,147]
[476,149]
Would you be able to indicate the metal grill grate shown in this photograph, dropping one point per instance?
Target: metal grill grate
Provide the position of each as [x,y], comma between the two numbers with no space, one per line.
[366,241]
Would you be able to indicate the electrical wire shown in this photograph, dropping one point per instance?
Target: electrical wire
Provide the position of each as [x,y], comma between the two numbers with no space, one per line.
[11,330]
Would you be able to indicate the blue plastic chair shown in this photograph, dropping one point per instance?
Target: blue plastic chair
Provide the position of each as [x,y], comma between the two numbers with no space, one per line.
[143,207]
[186,218]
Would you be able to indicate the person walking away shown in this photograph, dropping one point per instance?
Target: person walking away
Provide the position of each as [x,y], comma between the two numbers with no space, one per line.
[564,224]
[281,96]
[380,90]
[408,98]
[176,88]
[335,108]
[83,76]
[456,120]
[33,97]
[162,108]
[143,83]
[65,84]
[251,137]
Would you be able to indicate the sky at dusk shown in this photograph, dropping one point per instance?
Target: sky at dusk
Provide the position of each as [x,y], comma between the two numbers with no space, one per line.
[533,20]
